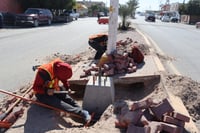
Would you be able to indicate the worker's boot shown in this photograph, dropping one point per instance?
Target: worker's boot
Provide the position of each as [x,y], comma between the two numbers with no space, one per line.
[85,114]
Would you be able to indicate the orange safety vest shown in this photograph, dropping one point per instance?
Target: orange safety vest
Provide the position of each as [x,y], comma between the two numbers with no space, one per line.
[54,82]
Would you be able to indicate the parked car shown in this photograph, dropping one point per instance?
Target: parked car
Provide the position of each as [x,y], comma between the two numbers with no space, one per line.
[103,20]
[101,14]
[1,20]
[34,17]
[73,14]
[150,17]
[197,25]
[174,19]
[7,19]
[165,19]
[63,17]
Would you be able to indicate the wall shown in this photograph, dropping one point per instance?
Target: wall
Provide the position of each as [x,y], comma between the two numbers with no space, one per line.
[11,6]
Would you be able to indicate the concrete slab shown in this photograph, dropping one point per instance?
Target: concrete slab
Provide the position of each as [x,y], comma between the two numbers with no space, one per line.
[99,94]
[146,72]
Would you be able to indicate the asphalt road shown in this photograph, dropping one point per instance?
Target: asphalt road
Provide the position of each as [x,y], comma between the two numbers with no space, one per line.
[21,48]
[178,41]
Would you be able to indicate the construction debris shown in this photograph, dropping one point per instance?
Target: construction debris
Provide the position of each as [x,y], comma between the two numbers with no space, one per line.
[185,88]
[150,117]
[123,60]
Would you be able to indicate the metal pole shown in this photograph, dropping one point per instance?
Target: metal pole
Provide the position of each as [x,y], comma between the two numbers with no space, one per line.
[113,23]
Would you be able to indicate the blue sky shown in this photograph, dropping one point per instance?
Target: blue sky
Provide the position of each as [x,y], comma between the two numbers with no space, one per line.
[145,4]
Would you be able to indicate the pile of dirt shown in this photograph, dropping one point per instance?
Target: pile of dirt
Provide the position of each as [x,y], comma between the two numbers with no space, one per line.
[189,92]
[184,87]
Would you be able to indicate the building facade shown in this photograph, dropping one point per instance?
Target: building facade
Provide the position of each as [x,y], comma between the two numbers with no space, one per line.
[11,6]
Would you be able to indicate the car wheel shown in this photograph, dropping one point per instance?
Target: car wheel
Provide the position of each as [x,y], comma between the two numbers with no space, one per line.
[36,23]
[49,22]
[66,20]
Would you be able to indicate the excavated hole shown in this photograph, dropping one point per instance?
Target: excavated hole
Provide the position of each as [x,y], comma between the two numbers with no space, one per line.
[131,92]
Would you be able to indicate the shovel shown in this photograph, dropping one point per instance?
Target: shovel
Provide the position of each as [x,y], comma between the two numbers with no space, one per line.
[3,115]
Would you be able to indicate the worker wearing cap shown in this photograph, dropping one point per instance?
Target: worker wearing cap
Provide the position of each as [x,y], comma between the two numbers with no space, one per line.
[47,81]
[99,43]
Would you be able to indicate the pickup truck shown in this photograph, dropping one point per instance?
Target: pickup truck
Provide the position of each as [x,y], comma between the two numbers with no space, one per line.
[74,15]
[34,17]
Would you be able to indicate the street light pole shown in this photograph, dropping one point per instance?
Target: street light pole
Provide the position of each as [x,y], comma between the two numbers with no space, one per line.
[113,23]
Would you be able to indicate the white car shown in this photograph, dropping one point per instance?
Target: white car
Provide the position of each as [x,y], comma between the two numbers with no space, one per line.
[165,19]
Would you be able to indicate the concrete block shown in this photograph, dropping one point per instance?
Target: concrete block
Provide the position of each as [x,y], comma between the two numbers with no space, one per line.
[99,94]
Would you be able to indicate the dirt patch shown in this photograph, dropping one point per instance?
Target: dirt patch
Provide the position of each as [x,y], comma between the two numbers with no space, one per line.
[188,90]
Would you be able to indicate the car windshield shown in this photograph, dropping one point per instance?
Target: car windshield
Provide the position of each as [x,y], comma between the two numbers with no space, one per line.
[151,14]
[32,11]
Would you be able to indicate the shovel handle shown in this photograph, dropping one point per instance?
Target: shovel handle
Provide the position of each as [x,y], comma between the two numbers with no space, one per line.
[39,103]
[4,124]
[3,115]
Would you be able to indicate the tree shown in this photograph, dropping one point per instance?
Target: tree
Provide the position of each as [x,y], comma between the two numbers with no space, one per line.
[50,4]
[182,9]
[133,5]
[194,7]
[191,8]
[124,12]
[94,9]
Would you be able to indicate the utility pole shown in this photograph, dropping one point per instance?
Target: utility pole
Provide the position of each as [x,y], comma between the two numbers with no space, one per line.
[113,23]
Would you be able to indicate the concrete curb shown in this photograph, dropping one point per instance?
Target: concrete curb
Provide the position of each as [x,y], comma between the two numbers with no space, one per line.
[156,59]
[176,101]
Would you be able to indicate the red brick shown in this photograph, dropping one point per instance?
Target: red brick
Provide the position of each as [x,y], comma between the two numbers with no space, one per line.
[162,108]
[124,110]
[143,121]
[181,117]
[132,117]
[148,114]
[155,127]
[146,117]
[135,129]
[128,118]
[142,104]
[171,128]
[171,120]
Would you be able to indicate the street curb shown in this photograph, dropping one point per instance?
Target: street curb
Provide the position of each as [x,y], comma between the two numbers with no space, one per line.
[174,99]
[156,59]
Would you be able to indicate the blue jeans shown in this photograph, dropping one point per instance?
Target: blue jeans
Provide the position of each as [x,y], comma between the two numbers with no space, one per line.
[60,101]
[99,49]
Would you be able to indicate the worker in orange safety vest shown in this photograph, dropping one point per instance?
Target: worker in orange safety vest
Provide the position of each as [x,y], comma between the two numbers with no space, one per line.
[47,81]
